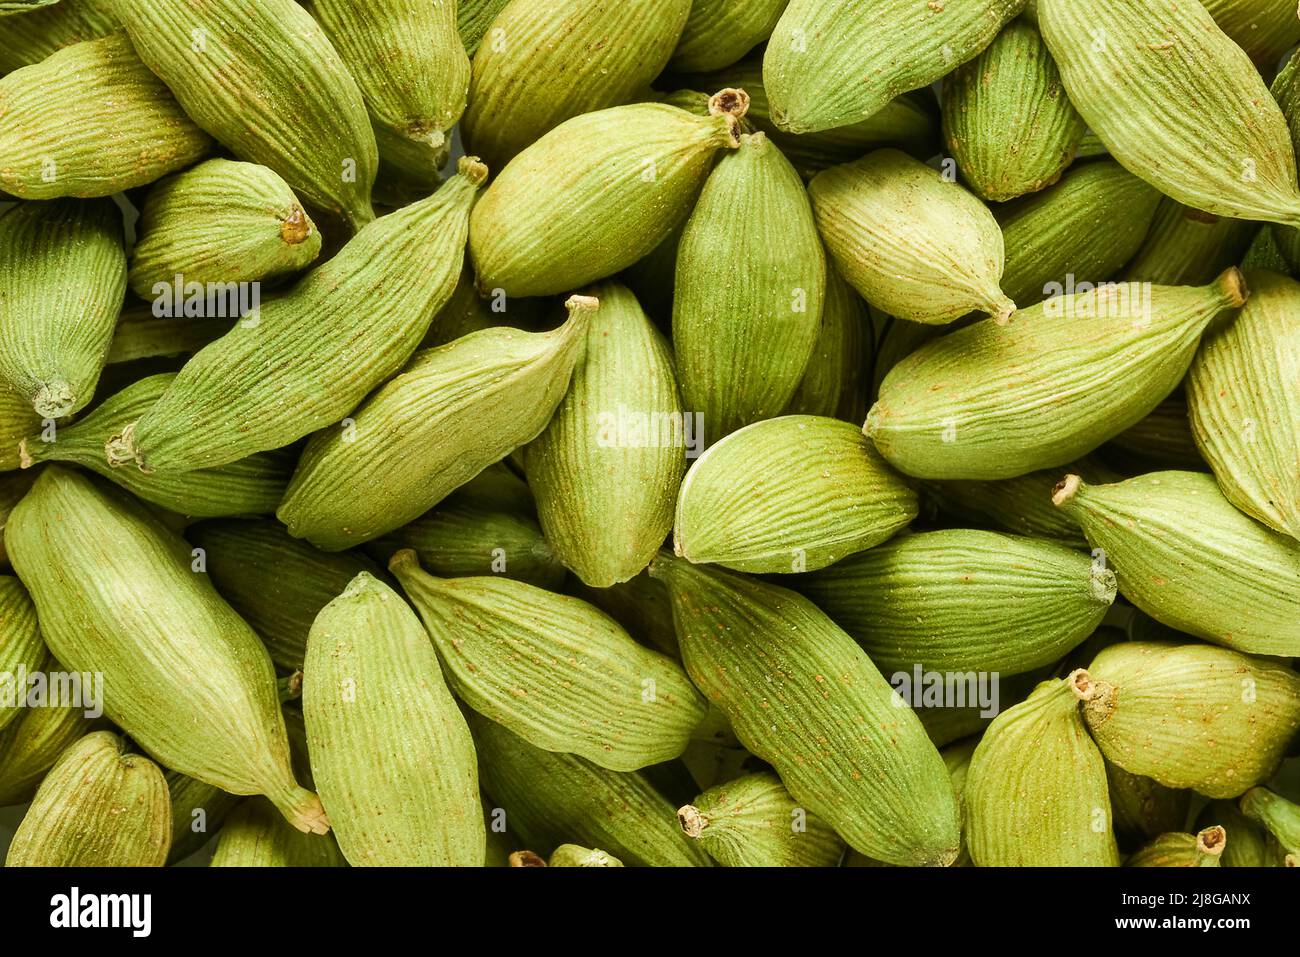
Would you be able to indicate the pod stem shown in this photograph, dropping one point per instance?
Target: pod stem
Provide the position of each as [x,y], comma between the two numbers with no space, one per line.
[25,460]
[1066,490]
[692,821]
[526,859]
[1212,841]
[1001,308]
[473,169]
[303,809]
[1232,285]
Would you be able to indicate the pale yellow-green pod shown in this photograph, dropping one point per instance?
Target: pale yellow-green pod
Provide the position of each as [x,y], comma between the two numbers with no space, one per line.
[1188,247]
[1202,849]
[835,382]
[720,32]
[33,741]
[1251,845]
[40,32]
[1265,29]
[254,835]
[1278,815]
[572,855]
[473,18]
[22,651]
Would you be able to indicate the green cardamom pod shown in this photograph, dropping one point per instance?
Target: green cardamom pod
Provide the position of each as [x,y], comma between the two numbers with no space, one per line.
[1182,850]
[965,600]
[1079,369]
[276,582]
[547,61]
[834,62]
[911,242]
[1280,816]
[220,222]
[21,648]
[254,835]
[263,78]
[550,798]
[474,18]
[596,194]
[42,32]
[32,742]
[390,752]
[1006,118]
[720,32]
[1244,405]
[1177,103]
[1265,29]
[451,413]
[754,822]
[184,676]
[834,383]
[572,855]
[897,339]
[607,467]
[1163,440]
[641,605]
[791,494]
[62,280]
[1192,716]
[99,806]
[1087,227]
[804,697]
[1185,556]
[1265,254]
[1035,792]
[13,487]
[1144,809]
[198,810]
[1251,844]
[554,670]
[139,335]
[1188,247]
[251,486]
[333,346]
[743,336]
[128,130]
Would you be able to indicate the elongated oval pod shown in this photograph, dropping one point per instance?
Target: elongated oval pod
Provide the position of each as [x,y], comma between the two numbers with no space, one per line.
[251,486]
[1035,792]
[1142,808]
[1244,405]
[804,697]
[1188,247]
[1162,439]
[961,600]
[254,835]
[267,83]
[595,194]
[198,811]
[184,676]
[91,120]
[607,467]
[98,807]
[454,411]
[1177,103]
[474,19]
[720,32]
[1080,368]
[791,494]
[1265,29]
[559,673]
[1006,118]
[62,280]
[390,751]
[550,798]
[571,855]
[1077,233]
[13,486]
[550,60]
[22,652]
[276,582]
[912,243]
[1221,576]
[750,284]
[304,360]
[1182,850]
[39,33]
[32,742]
[1286,90]
[220,222]
[834,62]
[754,822]
[834,383]
[1278,815]
[1192,716]
[1251,844]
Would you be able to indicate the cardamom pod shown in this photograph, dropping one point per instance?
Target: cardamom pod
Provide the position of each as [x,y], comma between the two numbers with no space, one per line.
[332,347]
[32,742]
[571,855]
[276,582]
[62,280]
[834,383]
[791,494]
[1080,231]
[1220,576]
[220,222]
[254,835]
[641,605]
[1182,850]
[1192,716]
[1251,844]
[1280,816]
[1006,118]
[834,62]
[1079,370]
[896,340]
[804,697]
[1035,792]
[1244,407]
[1265,29]
[596,194]
[554,670]
[754,822]
[912,243]
[98,807]
[21,649]
[17,420]
[390,752]
[557,59]
[451,413]
[251,486]
[720,32]
[743,337]
[267,83]
[42,32]
[965,600]
[549,798]
[1162,440]
[607,467]
[1177,103]
[138,335]
[13,487]
[91,120]
[198,810]
[1144,809]
[184,676]
[1188,247]
[474,18]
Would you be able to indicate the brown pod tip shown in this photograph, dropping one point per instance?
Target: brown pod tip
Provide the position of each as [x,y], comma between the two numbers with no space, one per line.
[303,810]
[1083,686]
[120,449]
[692,821]
[729,102]
[526,859]
[1065,490]
[1001,309]
[402,558]
[473,169]
[1233,286]
[1212,841]
[25,460]
[582,304]
[296,227]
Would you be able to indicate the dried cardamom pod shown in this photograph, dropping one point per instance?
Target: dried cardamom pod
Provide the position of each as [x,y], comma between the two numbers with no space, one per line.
[17,420]
[474,18]
[13,486]
[1251,844]
[641,605]
[42,32]
[1144,809]
[1278,815]
[1265,29]
[834,383]
[253,835]
[1162,440]
[33,741]
[21,649]
[571,855]
[1182,850]
[1188,247]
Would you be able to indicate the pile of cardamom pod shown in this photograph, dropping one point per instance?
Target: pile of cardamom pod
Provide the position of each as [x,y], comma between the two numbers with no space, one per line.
[655,432]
